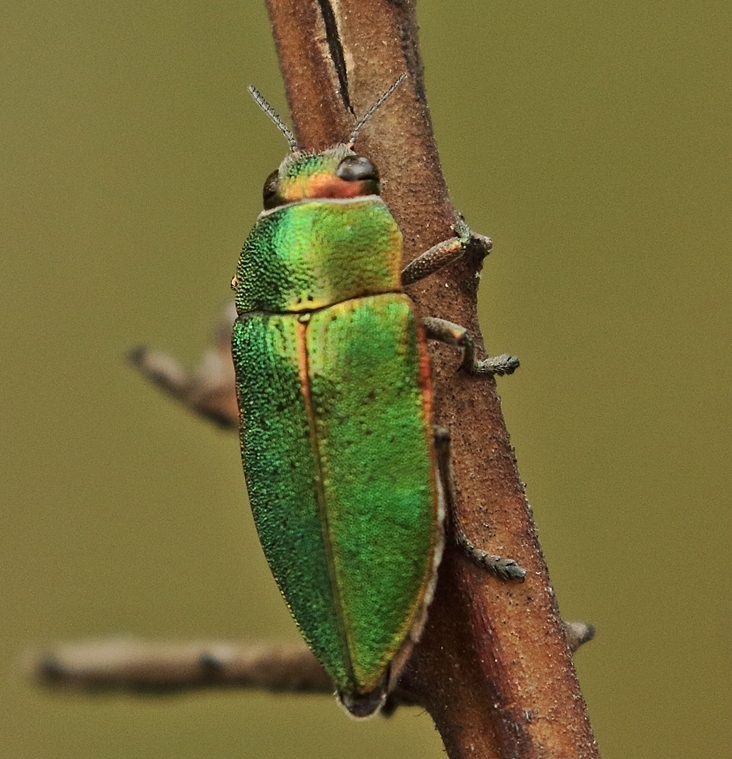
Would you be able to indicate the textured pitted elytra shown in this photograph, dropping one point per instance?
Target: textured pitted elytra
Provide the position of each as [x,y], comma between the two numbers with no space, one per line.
[340,474]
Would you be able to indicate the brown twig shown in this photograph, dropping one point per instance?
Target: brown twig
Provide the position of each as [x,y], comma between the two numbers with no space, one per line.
[209,389]
[493,668]
[139,666]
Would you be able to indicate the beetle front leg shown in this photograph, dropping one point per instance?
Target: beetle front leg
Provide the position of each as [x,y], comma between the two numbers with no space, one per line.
[454,334]
[506,569]
[443,253]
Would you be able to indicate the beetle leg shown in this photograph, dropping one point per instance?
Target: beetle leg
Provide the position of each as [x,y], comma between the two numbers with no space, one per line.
[454,334]
[506,569]
[444,253]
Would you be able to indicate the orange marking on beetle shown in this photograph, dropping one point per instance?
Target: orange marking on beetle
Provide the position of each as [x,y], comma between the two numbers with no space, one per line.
[302,365]
[425,375]
[325,185]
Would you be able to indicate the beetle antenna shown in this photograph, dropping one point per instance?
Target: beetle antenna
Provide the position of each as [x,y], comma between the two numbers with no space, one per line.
[375,107]
[267,108]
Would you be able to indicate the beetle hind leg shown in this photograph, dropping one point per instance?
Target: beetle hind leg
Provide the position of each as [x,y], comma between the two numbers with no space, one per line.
[453,334]
[506,569]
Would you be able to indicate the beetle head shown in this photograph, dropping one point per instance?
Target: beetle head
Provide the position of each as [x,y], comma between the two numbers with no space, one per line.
[335,173]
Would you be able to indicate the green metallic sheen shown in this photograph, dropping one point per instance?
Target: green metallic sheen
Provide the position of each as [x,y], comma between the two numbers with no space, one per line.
[280,470]
[333,383]
[373,437]
[311,254]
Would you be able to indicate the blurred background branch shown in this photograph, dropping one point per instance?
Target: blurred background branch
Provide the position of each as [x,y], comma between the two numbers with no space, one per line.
[130,664]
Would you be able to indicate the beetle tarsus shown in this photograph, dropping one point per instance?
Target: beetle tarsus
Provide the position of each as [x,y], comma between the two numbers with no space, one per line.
[465,234]
[453,334]
[500,365]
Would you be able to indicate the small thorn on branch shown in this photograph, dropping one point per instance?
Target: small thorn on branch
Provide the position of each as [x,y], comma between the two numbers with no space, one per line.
[209,390]
[578,633]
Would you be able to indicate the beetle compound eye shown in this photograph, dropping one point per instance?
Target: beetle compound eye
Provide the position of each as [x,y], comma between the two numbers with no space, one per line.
[357,169]
[269,192]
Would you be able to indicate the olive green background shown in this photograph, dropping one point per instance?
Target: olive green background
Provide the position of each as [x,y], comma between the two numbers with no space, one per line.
[592,140]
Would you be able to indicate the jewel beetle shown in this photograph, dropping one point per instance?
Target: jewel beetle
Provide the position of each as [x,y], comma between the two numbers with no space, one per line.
[333,384]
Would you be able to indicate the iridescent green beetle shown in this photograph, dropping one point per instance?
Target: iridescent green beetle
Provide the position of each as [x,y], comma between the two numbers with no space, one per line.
[333,382]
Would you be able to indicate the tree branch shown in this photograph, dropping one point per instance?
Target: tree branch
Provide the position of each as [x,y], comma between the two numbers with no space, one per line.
[128,664]
[493,668]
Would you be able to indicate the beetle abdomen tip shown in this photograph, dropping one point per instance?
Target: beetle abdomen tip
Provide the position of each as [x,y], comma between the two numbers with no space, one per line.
[363,705]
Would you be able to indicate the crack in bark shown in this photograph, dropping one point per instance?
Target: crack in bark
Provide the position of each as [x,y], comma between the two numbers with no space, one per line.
[336,52]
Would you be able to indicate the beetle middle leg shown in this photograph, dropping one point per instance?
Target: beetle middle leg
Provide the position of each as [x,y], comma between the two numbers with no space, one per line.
[506,569]
[454,334]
